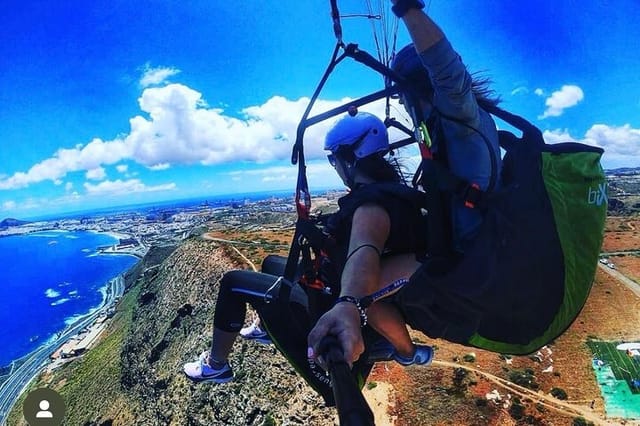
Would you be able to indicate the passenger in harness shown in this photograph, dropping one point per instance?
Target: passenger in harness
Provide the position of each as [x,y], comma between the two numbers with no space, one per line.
[357,146]
[441,96]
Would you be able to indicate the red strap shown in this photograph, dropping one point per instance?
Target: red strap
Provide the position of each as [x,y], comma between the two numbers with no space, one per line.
[425,152]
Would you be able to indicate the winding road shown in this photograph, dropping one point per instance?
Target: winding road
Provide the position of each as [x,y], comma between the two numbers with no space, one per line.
[632,285]
[32,364]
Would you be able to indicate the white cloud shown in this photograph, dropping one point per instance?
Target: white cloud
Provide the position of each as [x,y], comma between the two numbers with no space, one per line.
[68,186]
[319,172]
[119,187]
[155,76]
[96,174]
[179,128]
[567,97]
[161,166]
[280,178]
[518,90]
[621,144]
[91,156]
[621,140]
[122,168]
[9,205]
[539,92]
[557,136]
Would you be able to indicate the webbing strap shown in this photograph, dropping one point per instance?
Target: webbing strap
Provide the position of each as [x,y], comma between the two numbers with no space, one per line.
[366,301]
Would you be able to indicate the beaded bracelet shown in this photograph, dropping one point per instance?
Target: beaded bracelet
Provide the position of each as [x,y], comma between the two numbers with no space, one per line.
[361,310]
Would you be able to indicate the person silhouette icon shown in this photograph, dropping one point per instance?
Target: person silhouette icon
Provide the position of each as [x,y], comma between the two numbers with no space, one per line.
[44,412]
[44,406]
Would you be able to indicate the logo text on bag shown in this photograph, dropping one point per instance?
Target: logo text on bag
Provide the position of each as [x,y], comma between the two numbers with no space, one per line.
[598,196]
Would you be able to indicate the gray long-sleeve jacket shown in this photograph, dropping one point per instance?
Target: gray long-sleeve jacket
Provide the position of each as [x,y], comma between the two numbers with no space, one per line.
[467,152]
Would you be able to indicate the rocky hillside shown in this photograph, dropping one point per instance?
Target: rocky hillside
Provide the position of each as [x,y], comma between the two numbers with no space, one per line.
[172,324]
[134,375]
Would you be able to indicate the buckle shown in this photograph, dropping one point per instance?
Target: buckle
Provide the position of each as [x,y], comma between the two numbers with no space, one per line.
[472,195]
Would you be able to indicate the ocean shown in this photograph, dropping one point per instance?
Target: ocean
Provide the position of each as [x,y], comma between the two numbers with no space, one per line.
[48,280]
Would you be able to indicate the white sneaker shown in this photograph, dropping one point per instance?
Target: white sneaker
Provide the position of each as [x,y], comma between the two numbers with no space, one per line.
[254,332]
[200,371]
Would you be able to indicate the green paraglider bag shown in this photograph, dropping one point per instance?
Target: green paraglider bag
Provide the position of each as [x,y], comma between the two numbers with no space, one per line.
[530,269]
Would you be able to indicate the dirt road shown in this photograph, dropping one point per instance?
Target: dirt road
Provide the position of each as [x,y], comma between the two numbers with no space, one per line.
[633,286]
[550,402]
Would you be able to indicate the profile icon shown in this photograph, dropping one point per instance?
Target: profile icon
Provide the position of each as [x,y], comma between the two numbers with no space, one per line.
[44,407]
[44,412]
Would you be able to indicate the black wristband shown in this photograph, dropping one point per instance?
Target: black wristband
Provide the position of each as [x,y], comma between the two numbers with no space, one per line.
[361,310]
[402,6]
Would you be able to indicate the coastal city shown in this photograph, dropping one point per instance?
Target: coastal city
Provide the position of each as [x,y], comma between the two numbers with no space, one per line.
[136,230]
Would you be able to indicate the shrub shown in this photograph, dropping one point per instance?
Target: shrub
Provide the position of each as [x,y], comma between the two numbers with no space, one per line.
[524,378]
[470,357]
[559,393]
[580,421]
[269,420]
[516,410]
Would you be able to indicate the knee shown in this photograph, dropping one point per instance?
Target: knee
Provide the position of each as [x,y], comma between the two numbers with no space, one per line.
[274,264]
[232,277]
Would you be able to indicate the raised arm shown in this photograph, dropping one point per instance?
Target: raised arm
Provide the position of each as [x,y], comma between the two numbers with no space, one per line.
[423,31]
[449,77]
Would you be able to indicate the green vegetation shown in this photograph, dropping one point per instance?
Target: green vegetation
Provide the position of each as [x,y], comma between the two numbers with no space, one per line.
[524,378]
[469,357]
[517,410]
[559,393]
[98,372]
[269,420]
[623,366]
[581,421]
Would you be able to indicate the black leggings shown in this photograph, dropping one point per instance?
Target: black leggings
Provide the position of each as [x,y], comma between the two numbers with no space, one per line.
[237,288]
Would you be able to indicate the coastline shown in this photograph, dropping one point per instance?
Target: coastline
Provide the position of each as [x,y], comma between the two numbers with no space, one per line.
[114,234]
[75,317]
[65,345]
[69,323]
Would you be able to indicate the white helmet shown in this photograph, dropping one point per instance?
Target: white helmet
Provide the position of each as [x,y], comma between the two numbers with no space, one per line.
[364,132]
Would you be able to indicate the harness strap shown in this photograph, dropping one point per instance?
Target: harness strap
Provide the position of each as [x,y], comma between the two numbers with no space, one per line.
[367,301]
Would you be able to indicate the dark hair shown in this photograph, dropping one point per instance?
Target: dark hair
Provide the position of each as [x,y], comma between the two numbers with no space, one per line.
[408,64]
[484,94]
[379,169]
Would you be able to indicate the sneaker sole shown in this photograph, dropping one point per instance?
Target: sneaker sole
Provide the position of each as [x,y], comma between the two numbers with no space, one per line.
[406,363]
[263,340]
[209,379]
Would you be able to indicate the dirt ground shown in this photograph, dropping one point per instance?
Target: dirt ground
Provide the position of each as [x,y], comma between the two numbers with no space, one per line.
[612,312]
[431,396]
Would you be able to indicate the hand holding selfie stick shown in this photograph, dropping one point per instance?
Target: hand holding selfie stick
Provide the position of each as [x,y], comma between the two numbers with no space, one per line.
[353,409]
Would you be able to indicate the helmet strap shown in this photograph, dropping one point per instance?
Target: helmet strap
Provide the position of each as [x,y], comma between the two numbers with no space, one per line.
[349,170]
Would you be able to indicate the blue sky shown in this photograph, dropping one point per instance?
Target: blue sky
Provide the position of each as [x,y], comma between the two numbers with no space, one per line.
[109,103]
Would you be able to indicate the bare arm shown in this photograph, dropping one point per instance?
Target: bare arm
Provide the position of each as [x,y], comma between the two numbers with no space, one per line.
[361,274]
[360,277]
[423,31]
